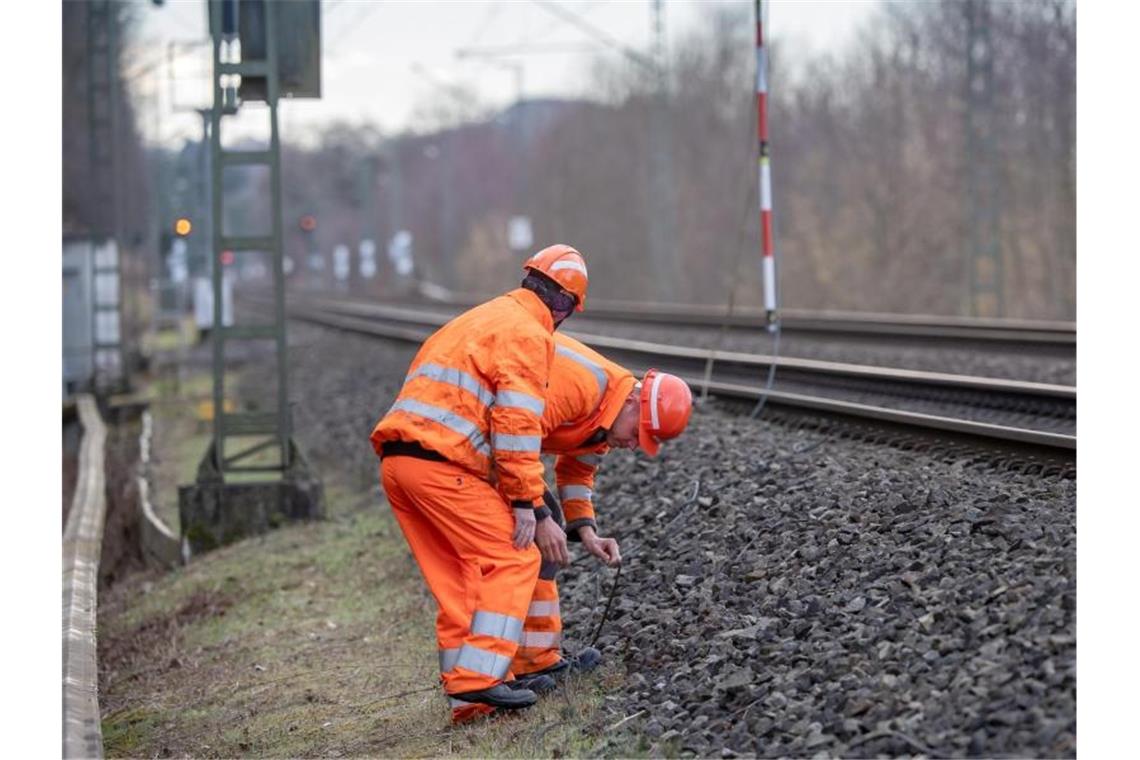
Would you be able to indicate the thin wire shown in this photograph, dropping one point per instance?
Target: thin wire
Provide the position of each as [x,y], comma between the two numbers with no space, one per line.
[582,8]
[609,604]
[597,33]
[771,368]
[491,14]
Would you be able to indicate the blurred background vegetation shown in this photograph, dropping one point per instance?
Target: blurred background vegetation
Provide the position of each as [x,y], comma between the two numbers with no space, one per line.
[875,171]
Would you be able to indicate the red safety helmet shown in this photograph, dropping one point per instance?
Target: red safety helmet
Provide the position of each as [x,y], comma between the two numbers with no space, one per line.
[565,266]
[666,405]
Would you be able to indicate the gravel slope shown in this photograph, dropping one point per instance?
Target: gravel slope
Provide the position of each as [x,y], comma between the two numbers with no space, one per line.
[786,593]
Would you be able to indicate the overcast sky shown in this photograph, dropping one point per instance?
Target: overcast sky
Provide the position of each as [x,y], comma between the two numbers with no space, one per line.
[382,57]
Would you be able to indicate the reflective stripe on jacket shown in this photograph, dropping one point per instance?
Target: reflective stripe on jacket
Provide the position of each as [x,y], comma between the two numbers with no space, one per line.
[475,393]
[586,392]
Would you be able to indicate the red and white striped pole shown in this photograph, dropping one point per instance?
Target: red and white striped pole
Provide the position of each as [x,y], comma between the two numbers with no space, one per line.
[767,247]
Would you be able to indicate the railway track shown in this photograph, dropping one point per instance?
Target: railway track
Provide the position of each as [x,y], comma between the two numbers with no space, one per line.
[1038,417]
[1035,336]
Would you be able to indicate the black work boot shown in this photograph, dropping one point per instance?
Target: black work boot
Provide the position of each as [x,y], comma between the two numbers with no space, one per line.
[586,660]
[537,682]
[583,662]
[500,695]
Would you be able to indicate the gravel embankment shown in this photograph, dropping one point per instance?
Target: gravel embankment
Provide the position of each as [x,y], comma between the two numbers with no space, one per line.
[790,594]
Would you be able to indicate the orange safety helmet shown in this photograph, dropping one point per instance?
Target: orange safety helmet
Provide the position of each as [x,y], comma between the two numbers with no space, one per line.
[564,265]
[666,405]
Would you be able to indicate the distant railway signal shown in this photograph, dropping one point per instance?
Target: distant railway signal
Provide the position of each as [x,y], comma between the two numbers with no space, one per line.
[308,222]
[182,226]
[227,258]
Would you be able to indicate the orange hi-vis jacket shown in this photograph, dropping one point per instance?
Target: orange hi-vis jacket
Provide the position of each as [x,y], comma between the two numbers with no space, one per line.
[585,395]
[475,392]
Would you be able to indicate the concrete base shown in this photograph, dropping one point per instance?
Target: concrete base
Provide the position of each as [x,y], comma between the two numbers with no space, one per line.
[214,513]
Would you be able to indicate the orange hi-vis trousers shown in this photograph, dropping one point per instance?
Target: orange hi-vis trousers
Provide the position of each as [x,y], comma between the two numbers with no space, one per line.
[459,530]
[541,643]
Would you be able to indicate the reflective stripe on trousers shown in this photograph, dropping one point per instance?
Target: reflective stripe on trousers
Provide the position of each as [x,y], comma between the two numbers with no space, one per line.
[493,624]
[541,639]
[483,662]
[544,609]
[477,659]
[448,658]
[540,647]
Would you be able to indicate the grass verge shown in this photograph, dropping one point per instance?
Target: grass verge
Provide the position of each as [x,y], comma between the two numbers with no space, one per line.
[313,640]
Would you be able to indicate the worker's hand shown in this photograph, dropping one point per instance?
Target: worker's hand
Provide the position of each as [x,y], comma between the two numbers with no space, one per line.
[605,549]
[551,540]
[524,527]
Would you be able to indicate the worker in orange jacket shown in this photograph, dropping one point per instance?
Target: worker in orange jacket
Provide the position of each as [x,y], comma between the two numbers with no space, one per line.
[592,405]
[461,469]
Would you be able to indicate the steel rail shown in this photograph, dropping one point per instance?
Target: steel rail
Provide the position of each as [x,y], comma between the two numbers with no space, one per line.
[1033,333]
[745,361]
[414,325]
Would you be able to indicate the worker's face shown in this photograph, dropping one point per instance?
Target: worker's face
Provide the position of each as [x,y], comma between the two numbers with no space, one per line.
[623,433]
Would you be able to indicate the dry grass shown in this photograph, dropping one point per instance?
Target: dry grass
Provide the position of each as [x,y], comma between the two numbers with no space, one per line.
[313,640]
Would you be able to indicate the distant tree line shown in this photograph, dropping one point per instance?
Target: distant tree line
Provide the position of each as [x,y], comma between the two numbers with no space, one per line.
[83,216]
[131,163]
[871,169]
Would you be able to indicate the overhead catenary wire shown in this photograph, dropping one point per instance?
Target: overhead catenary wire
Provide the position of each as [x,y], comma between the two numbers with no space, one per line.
[599,34]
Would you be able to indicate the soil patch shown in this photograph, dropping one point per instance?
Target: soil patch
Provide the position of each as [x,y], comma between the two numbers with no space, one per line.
[121,553]
[153,647]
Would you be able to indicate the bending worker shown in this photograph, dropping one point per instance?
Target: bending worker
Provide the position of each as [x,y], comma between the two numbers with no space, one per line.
[592,405]
[470,413]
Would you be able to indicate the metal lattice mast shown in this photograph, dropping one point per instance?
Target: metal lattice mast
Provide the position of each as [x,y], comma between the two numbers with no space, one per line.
[253,475]
[986,275]
[107,360]
[260,430]
[767,244]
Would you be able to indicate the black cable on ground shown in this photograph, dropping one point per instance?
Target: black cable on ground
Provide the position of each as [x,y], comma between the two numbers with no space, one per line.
[771,374]
[609,604]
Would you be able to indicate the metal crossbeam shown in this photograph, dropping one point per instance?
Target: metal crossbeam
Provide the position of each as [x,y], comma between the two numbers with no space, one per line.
[248,332]
[248,243]
[257,448]
[246,157]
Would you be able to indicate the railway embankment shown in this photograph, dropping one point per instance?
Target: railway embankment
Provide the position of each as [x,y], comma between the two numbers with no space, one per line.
[791,591]
[312,640]
[787,591]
